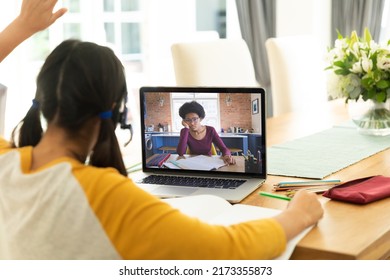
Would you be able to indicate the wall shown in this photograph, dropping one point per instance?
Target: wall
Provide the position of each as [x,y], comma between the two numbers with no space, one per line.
[206,20]
[158,114]
[238,114]
[304,17]
[166,22]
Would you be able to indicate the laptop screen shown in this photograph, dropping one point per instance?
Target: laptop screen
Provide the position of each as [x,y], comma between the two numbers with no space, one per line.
[192,130]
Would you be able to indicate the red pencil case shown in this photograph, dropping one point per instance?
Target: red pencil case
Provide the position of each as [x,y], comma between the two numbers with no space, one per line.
[361,191]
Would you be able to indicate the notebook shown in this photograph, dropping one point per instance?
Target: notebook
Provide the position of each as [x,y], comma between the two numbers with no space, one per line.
[237,115]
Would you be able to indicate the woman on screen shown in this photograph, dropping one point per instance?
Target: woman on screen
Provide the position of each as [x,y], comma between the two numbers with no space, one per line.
[199,139]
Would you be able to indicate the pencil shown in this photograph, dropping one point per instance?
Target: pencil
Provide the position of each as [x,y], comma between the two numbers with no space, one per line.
[309,187]
[308,183]
[275,196]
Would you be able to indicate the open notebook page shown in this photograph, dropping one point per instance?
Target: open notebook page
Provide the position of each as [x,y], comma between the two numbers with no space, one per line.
[200,162]
[215,210]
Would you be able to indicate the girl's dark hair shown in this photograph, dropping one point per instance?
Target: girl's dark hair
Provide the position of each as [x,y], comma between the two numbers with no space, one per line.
[78,81]
[192,107]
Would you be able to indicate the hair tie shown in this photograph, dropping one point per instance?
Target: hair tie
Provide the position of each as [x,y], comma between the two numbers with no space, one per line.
[105,115]
[35,104]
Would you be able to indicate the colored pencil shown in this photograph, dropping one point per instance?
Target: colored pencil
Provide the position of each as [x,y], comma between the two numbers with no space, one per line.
[275,195]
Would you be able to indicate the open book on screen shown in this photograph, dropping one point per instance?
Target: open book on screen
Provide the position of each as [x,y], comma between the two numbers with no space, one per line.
[216,210]
[200,162]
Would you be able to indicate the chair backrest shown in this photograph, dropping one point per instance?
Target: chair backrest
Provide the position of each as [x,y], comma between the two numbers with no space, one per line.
[298,78]
[220,62]
[3,98]
[213,150]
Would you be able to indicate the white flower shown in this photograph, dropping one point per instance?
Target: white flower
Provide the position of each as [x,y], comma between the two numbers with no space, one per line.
[357,49]
[361,68]
[367,63]
[357,68]
[374,46]
[334,86]
[383,61]
[335,55]
[341,44]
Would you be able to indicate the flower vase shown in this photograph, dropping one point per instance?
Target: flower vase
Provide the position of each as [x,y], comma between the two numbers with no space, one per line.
[370,117]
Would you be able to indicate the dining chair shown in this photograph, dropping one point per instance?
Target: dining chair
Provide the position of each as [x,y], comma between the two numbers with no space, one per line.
[219,62]
[213,150]
[3,98]
[298,78]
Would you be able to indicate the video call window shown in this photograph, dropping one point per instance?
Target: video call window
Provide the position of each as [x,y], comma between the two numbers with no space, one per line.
[235,116]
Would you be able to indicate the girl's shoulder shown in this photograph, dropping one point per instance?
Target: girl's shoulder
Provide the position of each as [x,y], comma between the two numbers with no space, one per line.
[210,130]
[4,145]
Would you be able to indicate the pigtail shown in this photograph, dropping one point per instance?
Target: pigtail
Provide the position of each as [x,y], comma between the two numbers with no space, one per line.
[29,131]
[107,152]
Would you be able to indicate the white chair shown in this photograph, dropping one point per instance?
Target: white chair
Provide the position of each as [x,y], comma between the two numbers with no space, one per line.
[220,62]
[3,98]
[298,79]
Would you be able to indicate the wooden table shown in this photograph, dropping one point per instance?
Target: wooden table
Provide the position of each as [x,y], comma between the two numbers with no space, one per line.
[346,231]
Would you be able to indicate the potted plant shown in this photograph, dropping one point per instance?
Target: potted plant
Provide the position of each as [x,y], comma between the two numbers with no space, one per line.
[361,74]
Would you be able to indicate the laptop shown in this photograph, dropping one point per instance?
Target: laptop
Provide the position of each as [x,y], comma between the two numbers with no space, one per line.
[238,116]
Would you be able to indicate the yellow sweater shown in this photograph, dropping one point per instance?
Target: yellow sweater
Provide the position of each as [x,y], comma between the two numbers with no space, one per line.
[67,210]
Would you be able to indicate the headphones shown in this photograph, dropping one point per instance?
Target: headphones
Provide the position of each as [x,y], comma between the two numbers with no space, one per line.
[124,121]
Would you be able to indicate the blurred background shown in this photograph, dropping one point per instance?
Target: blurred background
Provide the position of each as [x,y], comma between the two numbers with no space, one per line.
[141,32]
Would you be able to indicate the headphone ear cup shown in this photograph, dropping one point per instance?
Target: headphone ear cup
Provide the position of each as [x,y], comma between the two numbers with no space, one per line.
[123,119]
[115,117]
[130,127]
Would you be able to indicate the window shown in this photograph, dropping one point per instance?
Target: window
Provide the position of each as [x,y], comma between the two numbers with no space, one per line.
[43,42]
[211,15]
[39,46]
[122,26]
[209,101]
[385,25]
[73,5]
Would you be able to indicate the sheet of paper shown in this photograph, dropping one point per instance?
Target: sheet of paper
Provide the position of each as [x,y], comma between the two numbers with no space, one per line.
[200,162]
[241,213]
[215,210]
[203,207]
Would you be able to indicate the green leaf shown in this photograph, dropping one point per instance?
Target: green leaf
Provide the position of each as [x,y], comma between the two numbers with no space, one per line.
[354,38]
[367,35]
[355,93]
[367,82]
[371,93]
[339,36]
[339,63]
[365,96]
[341,72]
[382,84]
[381,96]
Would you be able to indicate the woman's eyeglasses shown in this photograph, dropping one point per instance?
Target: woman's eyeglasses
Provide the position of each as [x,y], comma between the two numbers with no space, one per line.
[191,120]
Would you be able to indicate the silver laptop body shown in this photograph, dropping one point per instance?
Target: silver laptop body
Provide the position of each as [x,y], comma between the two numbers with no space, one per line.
[238,115]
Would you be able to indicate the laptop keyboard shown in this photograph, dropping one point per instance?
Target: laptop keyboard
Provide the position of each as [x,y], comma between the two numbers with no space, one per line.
[193,182]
